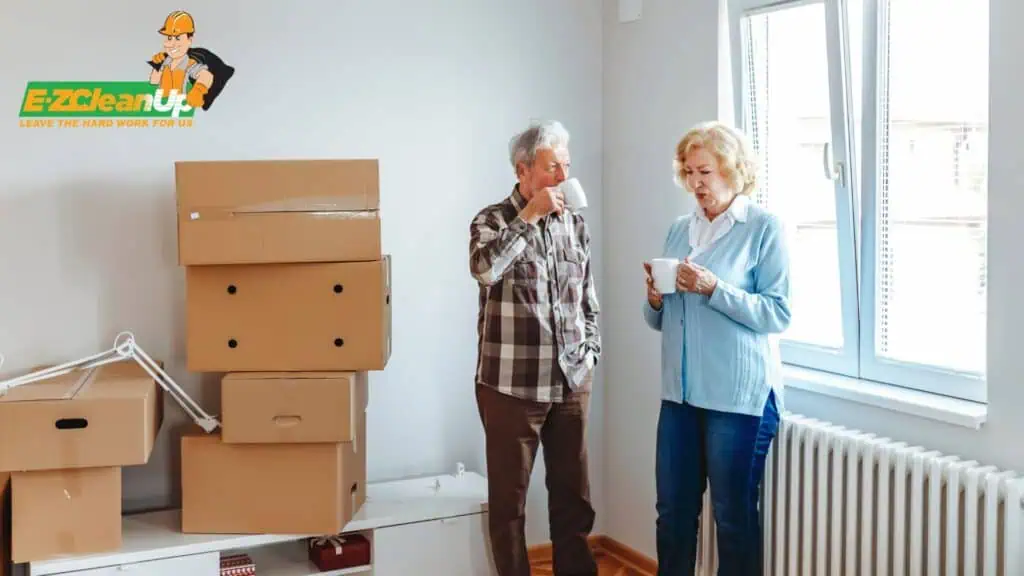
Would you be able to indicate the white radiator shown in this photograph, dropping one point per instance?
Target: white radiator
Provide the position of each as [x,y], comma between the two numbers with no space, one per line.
[837,501]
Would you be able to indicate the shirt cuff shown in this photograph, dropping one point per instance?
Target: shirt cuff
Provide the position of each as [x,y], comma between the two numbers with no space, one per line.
[718,298]
[650,313]
[522,226]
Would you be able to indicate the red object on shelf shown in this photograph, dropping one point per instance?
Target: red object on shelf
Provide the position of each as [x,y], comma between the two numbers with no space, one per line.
[237,565]
[340,551]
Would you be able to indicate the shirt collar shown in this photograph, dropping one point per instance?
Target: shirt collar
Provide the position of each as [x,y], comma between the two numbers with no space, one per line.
[517,198]
[737,210]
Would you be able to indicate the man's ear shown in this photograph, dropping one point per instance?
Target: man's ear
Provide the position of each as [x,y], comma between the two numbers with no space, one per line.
[521,170]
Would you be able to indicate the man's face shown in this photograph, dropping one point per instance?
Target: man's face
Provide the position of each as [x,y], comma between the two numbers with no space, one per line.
[177,46]
[550,168]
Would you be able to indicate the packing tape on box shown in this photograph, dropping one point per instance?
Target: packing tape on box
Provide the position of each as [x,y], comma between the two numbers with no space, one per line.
[221,214]
[343,206]
[83,382]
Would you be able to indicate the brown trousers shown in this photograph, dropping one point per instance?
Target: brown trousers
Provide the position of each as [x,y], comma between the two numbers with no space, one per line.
[513,429]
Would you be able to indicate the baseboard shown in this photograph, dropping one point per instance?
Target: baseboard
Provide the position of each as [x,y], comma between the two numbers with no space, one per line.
[638,563]
[630,557]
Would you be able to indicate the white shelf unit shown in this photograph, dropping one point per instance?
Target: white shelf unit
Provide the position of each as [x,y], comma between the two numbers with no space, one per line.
[290,559]
[436,521]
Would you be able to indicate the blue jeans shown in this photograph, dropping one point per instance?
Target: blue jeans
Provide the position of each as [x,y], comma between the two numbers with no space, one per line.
[695,447]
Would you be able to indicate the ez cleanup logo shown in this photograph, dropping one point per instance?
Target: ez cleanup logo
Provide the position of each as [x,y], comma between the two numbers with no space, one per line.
[181,79]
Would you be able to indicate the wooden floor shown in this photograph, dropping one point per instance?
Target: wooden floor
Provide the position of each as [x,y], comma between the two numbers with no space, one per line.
[613,559]
[608,565]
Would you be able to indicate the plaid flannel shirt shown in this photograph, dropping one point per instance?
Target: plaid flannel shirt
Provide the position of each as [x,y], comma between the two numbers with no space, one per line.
[537,323]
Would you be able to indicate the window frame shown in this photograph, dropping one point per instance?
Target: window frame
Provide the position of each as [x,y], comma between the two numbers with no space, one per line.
[855,197]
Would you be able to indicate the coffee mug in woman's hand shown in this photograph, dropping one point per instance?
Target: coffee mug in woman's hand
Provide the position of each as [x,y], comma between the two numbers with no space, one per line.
[653,296]
[664,271]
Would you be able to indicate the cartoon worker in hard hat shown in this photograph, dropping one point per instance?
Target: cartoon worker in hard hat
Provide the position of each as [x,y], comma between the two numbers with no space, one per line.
[197,72]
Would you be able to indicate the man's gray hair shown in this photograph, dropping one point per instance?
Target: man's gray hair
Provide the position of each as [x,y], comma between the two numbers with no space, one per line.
[548,134]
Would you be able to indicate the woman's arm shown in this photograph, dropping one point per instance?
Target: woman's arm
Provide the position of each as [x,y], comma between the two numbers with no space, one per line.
[651,314]
[767,310]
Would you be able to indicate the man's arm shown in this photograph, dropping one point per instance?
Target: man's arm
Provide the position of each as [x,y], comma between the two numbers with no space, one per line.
[493,246]
[591,305]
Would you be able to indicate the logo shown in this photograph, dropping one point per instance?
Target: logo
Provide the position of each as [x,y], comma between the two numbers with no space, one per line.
[181,79]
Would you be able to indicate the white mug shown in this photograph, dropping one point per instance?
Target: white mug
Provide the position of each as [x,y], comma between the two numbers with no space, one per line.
[664,271]
[573,193]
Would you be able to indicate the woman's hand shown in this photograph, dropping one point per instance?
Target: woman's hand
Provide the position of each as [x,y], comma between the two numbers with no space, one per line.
[694,278]
[653,296]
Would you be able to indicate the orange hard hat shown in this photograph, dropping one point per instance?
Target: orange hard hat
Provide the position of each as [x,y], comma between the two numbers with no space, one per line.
[178,22]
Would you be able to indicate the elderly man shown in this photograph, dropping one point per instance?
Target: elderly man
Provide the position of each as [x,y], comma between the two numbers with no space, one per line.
[538,345]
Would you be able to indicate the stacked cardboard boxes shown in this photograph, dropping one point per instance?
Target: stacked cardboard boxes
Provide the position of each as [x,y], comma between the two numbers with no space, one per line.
[63,442]
[288,295]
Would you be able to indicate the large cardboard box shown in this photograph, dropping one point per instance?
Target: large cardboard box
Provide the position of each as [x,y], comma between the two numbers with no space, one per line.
[104,416]
[5,524]
[59,512]
[271,488]
[289,317]
[292,407]
[273,211]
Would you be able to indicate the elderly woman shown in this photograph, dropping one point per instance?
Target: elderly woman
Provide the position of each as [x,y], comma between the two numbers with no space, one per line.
[720,367]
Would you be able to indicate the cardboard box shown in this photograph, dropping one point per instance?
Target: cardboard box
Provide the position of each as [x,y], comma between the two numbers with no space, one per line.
[105,416]
[276,211]
[5,524]
[58,512]
[292,407]
[271,488]
[289,317]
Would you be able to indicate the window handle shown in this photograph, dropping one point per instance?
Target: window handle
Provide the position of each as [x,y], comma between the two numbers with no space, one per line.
[833,169]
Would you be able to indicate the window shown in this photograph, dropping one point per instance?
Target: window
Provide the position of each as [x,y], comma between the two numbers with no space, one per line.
[871,121]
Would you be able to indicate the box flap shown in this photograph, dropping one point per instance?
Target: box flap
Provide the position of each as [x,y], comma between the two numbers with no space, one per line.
[219,189]
[220,236]
[116,380]
[58,388]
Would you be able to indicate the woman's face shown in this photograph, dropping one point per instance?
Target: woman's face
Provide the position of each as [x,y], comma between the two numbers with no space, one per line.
[704,179]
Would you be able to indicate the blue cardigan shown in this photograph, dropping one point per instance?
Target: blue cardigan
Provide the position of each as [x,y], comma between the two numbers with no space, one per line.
[721,352]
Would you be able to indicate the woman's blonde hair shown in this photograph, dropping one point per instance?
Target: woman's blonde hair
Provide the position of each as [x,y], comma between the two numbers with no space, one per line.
[732,149]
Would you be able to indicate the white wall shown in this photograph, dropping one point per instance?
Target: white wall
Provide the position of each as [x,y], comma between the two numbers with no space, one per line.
[660,77]
[433,89]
